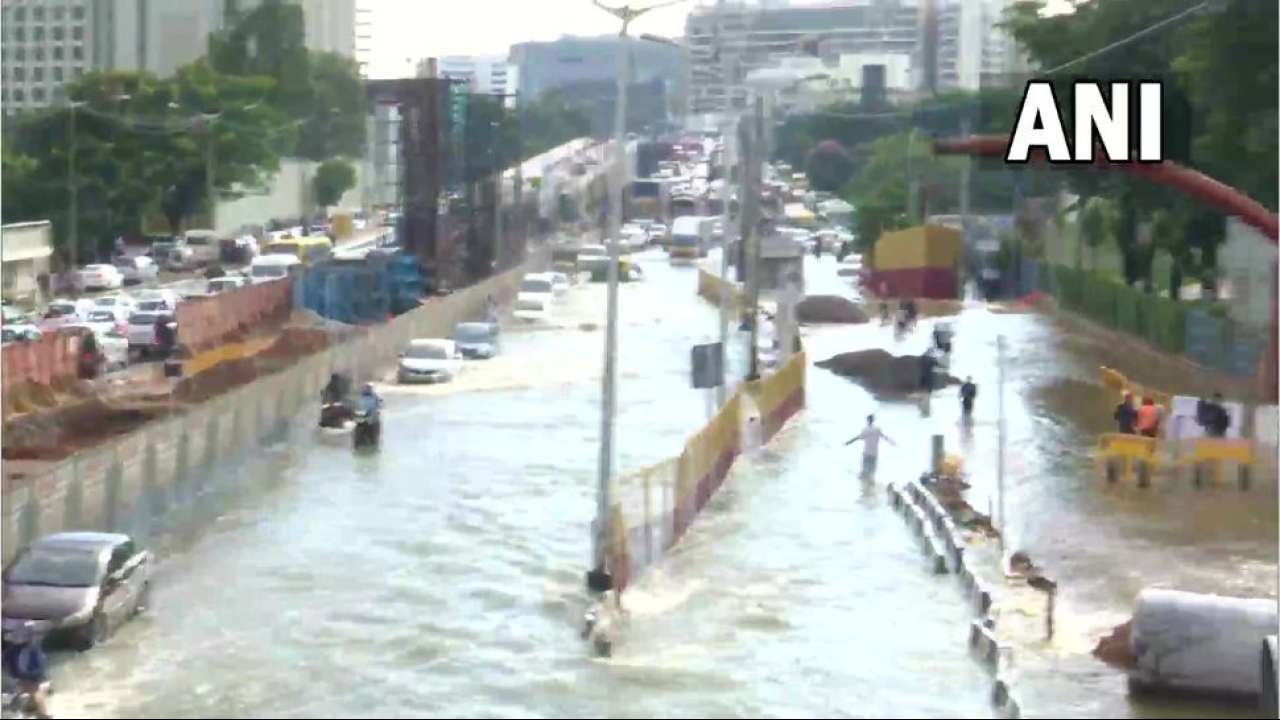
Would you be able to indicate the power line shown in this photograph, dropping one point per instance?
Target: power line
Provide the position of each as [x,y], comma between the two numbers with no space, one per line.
[1134,37]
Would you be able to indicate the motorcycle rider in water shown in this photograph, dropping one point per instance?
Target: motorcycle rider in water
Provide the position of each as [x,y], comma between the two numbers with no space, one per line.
[27,663]
[371,404]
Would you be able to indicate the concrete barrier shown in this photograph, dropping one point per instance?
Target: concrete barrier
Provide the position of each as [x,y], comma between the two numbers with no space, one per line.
[128,483]
[1002,698]
[982,600]
[983,642]
[1188,642]
[1268,673]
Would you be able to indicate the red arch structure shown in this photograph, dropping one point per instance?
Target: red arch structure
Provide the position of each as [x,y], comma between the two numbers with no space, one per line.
[1190,182]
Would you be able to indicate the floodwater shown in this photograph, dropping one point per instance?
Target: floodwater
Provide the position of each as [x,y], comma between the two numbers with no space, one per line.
[443,576]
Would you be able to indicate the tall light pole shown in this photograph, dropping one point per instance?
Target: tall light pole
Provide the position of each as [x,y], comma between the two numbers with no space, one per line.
[598,578]
[73,189]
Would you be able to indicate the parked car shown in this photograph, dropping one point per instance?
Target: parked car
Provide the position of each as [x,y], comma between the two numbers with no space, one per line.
[161,245]
[62,312]
[12,314]
[266,268]
[428,360]
[87,584]
[226,282]
[100,277]
[180,258]
[204,245]
[112,341]
[476,340]
[137,270]
[532,309]
[592,258]
[559,282]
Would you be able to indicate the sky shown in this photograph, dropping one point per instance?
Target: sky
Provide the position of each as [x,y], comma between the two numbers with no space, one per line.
[404,31]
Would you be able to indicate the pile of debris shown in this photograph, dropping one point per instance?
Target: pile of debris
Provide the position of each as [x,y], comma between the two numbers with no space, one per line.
[58,433]
[883,373]
[829,309]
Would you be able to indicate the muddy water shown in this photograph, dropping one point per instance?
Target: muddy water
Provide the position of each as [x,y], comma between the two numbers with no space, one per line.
[1102,543]
[443,576]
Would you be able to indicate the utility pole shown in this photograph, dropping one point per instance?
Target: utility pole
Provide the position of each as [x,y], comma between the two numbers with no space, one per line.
[753,270]
[964,196]
[1003,529]
[210,199]
[73,190]
[727,136]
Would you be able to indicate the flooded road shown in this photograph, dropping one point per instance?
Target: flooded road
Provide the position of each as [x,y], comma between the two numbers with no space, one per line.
[443,576]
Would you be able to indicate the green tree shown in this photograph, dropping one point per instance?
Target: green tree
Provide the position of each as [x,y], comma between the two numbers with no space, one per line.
[335,126]
[332,179]
[828,166]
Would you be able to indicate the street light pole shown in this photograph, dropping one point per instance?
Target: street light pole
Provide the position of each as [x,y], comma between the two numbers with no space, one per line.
[73,189]
[1003,530]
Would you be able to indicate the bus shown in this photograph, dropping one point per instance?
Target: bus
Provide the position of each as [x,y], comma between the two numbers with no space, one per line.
[691,235]
[309,249]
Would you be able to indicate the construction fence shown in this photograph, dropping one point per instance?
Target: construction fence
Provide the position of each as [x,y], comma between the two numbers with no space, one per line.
[143,480]
[656,505]
[206,322]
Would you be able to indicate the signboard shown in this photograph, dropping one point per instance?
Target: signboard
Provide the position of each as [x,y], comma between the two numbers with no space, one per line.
[708,364]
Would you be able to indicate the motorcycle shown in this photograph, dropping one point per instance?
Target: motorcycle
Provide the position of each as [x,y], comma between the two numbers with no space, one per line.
[367,432]
[336,416]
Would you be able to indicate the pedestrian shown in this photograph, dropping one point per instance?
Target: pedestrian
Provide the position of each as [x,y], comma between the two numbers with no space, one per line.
[927,363]
[870,437]
[968,392]
[1148,418]
[1126,415]
[1219,420]
[26,662]
[817,248]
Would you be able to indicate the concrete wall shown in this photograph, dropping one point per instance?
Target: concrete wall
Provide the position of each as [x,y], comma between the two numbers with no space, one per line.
[142,480]
[25,251]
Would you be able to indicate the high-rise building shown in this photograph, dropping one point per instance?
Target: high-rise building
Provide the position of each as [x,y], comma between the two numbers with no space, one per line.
[570,61]
[47,43]
[488,75]
[364,36]
[44,45]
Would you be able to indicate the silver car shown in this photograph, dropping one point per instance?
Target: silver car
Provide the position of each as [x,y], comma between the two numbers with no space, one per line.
[85,584]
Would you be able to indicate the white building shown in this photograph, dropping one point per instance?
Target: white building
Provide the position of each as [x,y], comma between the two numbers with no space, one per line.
[486,75]
[364,36]
[25,251]
[47,43]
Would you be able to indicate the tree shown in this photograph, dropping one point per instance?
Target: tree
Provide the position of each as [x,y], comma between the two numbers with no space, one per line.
[829,166]
[335,126]
[332,179]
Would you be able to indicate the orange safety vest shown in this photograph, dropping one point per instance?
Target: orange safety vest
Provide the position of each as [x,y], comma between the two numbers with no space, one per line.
[1148,417]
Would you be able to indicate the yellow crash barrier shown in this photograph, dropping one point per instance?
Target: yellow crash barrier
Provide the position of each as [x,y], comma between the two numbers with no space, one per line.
[1138,454]
[1208,455]
[1113,379]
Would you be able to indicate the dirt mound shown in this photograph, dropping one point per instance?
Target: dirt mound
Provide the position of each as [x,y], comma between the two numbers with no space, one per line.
[28,397]
[55,434]
[829,309]
[216,380]
[1114,648]
[883,373]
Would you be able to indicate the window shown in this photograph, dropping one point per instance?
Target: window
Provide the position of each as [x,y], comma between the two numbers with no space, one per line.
[19,73]
[77,32]
[79,72]
[57,52]
[57,32]
[37,14]
[77,53]
[19,34]
[77,13]
[37,53]
[57,74]
[20,53]
[19,14]
[37,73]
[18,95]
[37,33]
[37,94]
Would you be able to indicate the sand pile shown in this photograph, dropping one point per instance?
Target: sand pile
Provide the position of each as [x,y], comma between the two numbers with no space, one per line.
[829,309]
[883,373]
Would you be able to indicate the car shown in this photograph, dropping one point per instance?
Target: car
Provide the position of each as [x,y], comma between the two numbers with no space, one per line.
[142,330]
[204,244]
[227,282]
[428,360]
[536,285]
[121,305]
[100,277]
[22,332]
[559,282]
[592,258]
[61,312]
[180,258]
[84,584]
[476,340]
[168,296]
[105,320]
[137,270]
[657,233]
[535,309]
[113,342]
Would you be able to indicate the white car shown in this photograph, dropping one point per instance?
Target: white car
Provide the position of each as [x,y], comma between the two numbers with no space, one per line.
[559,282]
[168,296]
[592,258]
[121,305]
[142,330]
[429,360]
[100,277]
[61,312]
[537,286]
[111,341]
[227,282]
[137,270]
[532,309]
[657,233]
[24,332]
[104,320]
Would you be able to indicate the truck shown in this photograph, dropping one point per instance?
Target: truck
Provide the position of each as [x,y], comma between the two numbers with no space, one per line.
[362,286]
[691,236]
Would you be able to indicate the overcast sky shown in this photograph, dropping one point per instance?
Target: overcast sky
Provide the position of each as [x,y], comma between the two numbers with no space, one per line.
[405,31]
